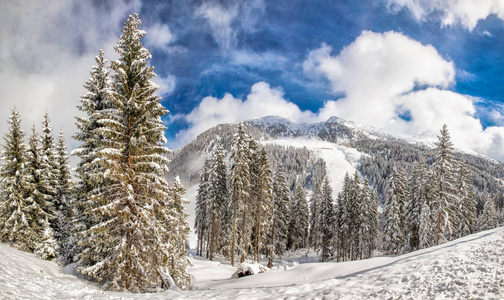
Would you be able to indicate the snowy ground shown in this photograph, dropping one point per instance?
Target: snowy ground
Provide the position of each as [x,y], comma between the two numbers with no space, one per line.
[468,268]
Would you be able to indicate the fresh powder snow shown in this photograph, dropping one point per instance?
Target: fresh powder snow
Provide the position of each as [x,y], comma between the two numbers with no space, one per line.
[470,267]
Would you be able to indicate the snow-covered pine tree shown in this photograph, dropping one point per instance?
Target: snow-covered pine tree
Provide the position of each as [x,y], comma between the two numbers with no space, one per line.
[63,212]
[327,220]
[280,215]
[202,207]
[466,208]
[315,216]
[488,219]
[371,219]
[298,227]
[173,227]
[264,190]
[219,196]
[125,251]
[89,169]
[240,184]
[416,199]
[47,247]
[444,204]
[17,207]
[394,238]
[343,219]
[425,228]
[49,171]
[357,222]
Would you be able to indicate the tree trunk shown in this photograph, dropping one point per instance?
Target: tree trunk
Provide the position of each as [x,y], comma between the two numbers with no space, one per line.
[213,233]
[272,245]
[242,236]
[258,226]
[233,246]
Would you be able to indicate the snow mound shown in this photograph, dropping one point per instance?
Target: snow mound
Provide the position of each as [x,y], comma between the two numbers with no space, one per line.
[468,268]
[246,269]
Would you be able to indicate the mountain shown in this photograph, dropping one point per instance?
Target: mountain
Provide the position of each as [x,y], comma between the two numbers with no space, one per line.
[344,146]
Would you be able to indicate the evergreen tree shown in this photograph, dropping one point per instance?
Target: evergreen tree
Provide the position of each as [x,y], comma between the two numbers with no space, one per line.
[90,169]
[371,217]
[63,236]
[219,196]
[393,234]
[326,222]
[17,208]
[202,207]
[264,186]
[47,247]
[446,199]
[298,227]
[488,219]
[173,227]
[466,208]
[416,199]
[315,216]
[240,185]
[126,249]
[280,216]
[343,219]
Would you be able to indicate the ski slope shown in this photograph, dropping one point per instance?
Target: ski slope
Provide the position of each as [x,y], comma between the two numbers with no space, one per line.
[468,268]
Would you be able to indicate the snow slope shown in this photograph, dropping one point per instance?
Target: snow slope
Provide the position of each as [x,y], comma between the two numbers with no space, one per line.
[339,159]
[467,268]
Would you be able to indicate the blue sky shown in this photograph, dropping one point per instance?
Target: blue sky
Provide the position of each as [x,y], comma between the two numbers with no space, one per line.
[404,66]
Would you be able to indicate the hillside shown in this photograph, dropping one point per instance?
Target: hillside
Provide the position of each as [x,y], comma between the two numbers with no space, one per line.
[343,146]
[470,267]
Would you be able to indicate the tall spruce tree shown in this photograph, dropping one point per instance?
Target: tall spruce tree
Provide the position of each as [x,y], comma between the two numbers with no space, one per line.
[219,196]
[126,250]
[280,215]
[63,212]
[47,247]
[264,186]
[202,207]
[327,222]
[394,236]
[90,169]
[466,206]
[298,227]
[17,207]
[446,196]
[416,199]
[240,185]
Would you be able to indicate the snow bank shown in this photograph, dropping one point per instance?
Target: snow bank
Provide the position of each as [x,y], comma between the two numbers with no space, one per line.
[470,267]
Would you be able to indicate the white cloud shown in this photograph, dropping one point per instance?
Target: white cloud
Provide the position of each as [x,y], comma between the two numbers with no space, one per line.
[261,101]
[46,54]
[159,36]
[166,84]
[467,13]
[226,20]
[385,75]
[220,20]
[264,60]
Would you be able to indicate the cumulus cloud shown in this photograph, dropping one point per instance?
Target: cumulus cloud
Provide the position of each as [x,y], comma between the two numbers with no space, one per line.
[46,54]
[467,13]
[263,100]
[385,77]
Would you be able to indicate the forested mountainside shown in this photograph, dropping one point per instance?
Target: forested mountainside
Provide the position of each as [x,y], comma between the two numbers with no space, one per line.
[379,152]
